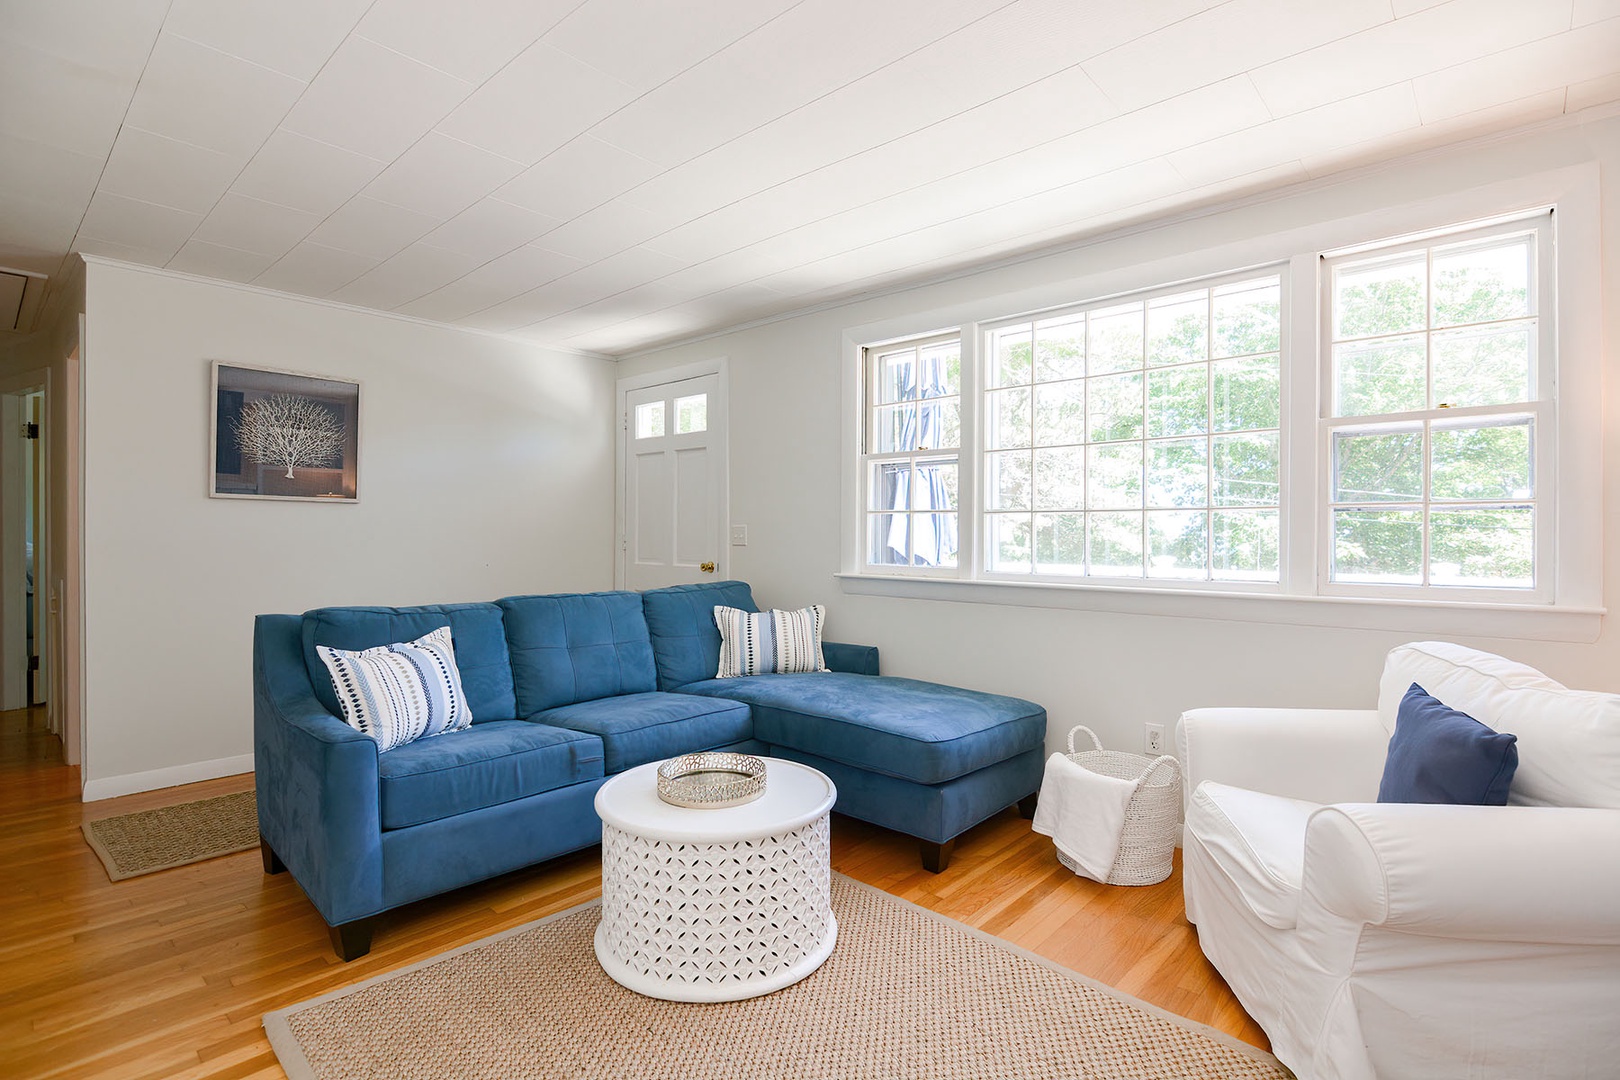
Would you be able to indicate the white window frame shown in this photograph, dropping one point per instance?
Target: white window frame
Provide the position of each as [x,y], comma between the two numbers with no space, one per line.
[1542,409]
[868,456]
[1350,216]
[981,452]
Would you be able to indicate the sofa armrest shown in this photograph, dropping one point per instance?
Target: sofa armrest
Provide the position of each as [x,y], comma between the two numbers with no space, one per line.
[1322,755]
[317,781]
[1548,875]
[855,659]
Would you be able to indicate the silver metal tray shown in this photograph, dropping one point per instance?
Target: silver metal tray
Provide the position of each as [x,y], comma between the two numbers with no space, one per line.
[711,781]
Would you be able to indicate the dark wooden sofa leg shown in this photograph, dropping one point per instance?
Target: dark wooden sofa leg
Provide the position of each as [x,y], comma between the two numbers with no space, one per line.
[352,940]
[272,861]
[1026,805]
[936,857]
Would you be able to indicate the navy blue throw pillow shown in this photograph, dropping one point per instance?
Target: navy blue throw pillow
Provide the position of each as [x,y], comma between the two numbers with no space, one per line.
[1439,755]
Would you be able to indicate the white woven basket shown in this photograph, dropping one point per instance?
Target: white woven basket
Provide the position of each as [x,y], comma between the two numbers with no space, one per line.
[1147,844]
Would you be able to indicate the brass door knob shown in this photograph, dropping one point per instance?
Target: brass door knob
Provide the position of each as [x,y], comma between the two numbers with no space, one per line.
[707,568]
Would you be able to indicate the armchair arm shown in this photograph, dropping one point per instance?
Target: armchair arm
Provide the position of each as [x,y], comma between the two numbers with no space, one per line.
[1492,873]
[1322,755]
[855,659]
[317,781]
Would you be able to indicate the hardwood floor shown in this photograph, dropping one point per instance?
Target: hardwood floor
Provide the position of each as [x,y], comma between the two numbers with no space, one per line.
[167,975]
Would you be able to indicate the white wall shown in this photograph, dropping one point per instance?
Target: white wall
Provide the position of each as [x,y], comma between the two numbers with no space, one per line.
[485,470]
[1108,670]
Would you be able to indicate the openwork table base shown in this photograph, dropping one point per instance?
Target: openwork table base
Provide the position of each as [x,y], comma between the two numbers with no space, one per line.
[715,920]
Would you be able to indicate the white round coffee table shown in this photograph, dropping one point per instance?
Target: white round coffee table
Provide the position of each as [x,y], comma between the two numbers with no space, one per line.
[715,905]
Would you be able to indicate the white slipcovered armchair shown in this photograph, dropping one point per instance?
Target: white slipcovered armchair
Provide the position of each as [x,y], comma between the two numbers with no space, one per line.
[1404,940]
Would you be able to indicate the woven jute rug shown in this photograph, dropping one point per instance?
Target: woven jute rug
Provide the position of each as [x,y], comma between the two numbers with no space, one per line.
[149,840]
[906,994]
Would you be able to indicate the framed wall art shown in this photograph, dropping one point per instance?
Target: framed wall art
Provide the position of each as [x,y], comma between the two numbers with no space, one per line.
[284,435]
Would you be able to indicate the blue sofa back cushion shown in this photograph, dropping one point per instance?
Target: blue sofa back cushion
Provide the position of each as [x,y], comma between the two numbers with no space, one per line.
[476,633]
[685,638]
[576,647]
[1440,755]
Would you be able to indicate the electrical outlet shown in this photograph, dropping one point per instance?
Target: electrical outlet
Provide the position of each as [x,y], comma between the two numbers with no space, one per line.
[1153,740]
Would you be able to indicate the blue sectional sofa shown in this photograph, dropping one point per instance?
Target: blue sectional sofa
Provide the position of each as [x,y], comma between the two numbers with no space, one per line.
[565,691]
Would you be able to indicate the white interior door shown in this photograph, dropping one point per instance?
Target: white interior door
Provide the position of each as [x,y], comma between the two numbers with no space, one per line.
[674,461]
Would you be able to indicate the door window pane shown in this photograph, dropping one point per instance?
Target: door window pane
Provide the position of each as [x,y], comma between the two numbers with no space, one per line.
[691,414]
[650,420]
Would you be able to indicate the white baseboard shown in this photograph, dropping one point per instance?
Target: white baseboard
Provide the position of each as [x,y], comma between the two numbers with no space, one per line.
[108,787]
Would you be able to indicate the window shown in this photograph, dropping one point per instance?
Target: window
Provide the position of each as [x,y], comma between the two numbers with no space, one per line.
[912,434]
[1137,438]
[1438,374]
[1370,423]
[691,417]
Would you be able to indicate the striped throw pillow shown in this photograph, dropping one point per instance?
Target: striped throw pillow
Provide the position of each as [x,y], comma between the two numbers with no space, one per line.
[758,643]
[401,692]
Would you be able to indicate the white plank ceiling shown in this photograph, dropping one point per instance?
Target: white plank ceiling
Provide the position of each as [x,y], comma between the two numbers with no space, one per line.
[609,175]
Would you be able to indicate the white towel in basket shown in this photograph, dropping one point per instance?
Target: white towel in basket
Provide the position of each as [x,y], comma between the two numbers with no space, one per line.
[1084,813]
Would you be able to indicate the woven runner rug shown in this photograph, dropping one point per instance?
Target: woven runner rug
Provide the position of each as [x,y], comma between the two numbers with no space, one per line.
[905,994]
[148,840]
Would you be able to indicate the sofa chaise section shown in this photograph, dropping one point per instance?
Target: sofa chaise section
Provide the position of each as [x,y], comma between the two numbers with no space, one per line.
[918,757]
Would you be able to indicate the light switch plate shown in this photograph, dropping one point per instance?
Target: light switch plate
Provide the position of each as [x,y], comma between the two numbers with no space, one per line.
[739,536]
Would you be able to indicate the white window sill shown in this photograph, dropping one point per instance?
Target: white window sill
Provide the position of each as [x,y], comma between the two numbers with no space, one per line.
[1540,622]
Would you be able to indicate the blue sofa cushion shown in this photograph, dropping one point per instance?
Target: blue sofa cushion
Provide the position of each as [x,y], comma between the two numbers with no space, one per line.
[638,728]
[475,631]
[685,637]
[485,765]
[913,730]
[576,647]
